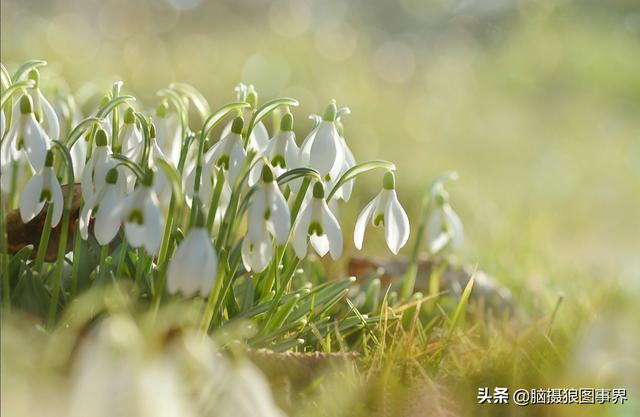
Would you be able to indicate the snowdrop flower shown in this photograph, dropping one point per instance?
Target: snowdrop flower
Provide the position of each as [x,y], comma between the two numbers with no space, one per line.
[194,266]
[96,168]
[140,211]
[444,226]
[259,137]
[42,187]
[3,123]
[322,149]
[385,210]
[229,153]
[268,215]
[26,133]
[281,152]
[168,133]
[99,205]
[318,223]
[131,137]
[43,110]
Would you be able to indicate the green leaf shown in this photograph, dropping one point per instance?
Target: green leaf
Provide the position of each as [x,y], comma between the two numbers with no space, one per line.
[111,104]
[177,103]
[462,305]
[213,120]
[20,85]
[195,96]
[267,108]
[26,67]
[299,173]
[5,78]
[174,178]
[359,170]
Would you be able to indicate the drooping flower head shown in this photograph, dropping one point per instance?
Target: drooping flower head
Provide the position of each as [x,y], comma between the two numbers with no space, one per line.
[444,228]
[99,205]
[384,210]
[229,153]
[268,216]
[26,135]
[322,149]
[316,224]
[40,189]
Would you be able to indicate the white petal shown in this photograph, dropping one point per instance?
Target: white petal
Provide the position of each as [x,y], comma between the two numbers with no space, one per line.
[78,157]
[455,223]
[255,220]
[154,225]
[332,231]
[324,152]
[105,227]
[236,160]
[280,215]
[35,142]
[256,172]
[194,265]
[50,118]
[291,151]
[361,222]
[320,244]
[85,217]
[30,204]
[396,224]
[56,197]
[434,226]
[301,230]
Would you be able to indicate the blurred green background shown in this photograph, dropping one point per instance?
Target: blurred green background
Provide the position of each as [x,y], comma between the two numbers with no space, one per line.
[535,103]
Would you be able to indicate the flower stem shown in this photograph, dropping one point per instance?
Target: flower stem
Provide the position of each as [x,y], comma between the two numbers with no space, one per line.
[104,252]
[44,240]
[215,200]
[77,255]
[212,302]
[62,246]
[299,198]
[122,256]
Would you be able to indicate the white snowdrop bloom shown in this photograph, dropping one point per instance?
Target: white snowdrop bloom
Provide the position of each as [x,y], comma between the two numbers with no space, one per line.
[26,134]
[246,393]
[322,149]
[194,266]
[43,109]
[42,187]
[95,171]
[444,227]
[281,152]
[168,133]
[140,211]
[229,153]
[116,374]
[99,205]
[385,209]
[78,158]
[259,137]
[268,215]
[161,183]
[316,222]
[131,137]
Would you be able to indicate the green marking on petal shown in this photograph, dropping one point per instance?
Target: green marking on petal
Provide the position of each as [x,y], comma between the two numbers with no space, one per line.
[136,216]
[45,195]
[315,228]
[378,220]
[279,160]
[223,162]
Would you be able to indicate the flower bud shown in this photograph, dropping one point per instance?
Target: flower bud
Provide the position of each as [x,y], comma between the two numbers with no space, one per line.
[112,176]
[101,138]
[48,162]
[26,106]
[442,198]
[252,97]
[286,123]
[238,124]
[34,75]
[147,181]
[330,112]
[162,110]
[129,116]
[152,130]
[389,181]
[318,190]
[267,174]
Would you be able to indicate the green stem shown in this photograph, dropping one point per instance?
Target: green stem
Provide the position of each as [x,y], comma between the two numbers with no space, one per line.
[214,295]
[77,255]
[122,256]
[104,252]
[299,198]
[215,200]
[62,246]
